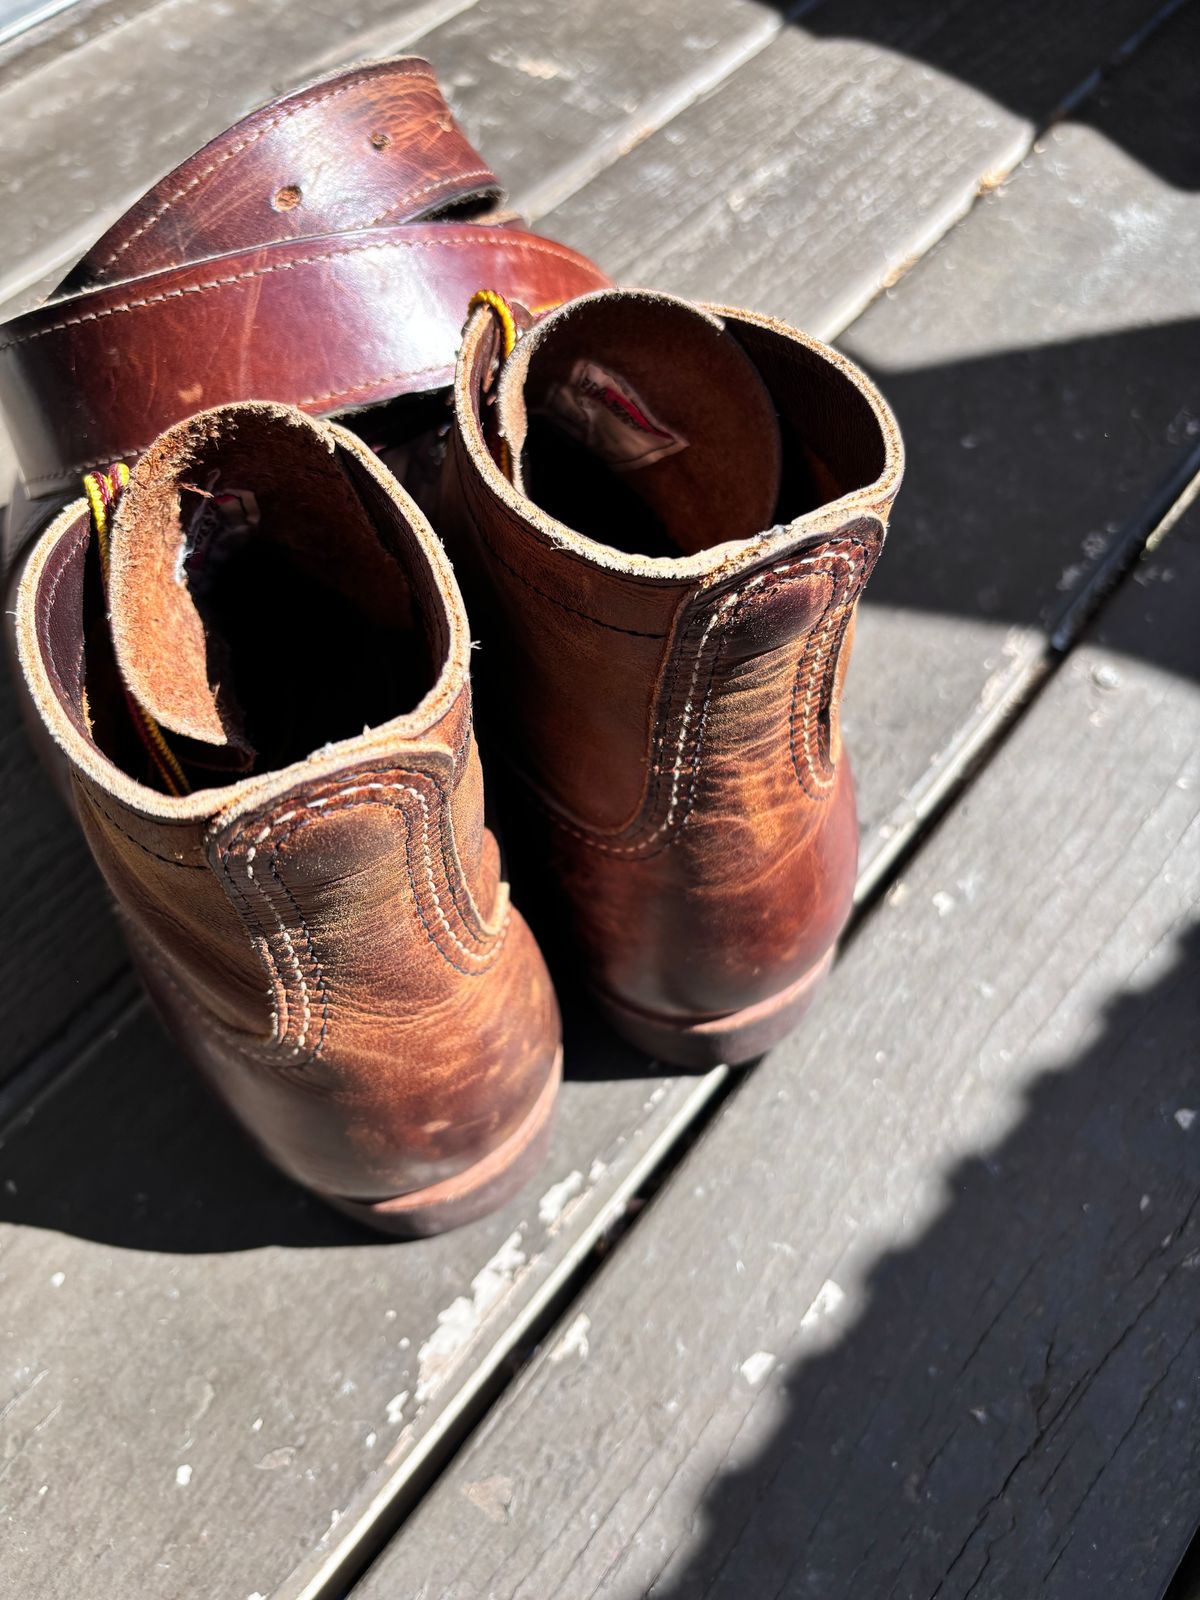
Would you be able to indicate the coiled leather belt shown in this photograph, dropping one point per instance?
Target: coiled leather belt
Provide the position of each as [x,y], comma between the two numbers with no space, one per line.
[322,252]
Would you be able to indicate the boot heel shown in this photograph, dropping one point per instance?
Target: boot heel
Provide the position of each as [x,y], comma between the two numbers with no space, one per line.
[735,1038]
[469,1194]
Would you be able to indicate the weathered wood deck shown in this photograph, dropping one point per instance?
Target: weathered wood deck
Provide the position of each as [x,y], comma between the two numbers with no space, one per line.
[911,1310]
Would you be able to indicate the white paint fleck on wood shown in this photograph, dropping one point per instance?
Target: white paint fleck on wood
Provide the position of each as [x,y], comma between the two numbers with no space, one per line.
[555,1200]
[574,1341]
[462,1319]
[826,1301]
[395,1410]
[755,1368]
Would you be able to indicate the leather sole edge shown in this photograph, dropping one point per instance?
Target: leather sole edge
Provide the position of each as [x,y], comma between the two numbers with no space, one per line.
[472,1193]
[732,1039]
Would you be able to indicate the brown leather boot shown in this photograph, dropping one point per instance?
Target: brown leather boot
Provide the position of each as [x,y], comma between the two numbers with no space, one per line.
[669,515]
[256,671]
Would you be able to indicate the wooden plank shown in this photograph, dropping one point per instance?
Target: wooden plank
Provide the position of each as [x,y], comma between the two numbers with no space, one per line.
[1049,348]
[207,1376]
[555,93]
[39,36]
[918,1316]
[809,180]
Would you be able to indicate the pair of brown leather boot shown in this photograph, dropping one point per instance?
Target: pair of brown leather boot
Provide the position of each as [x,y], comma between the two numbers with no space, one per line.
[252,660]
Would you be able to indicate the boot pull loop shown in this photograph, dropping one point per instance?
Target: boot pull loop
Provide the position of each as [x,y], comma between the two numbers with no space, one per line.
[513,317]
[103,491]
[509,334]
[504,316]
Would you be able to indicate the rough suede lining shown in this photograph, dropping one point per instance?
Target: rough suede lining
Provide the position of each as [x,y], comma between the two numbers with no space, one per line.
[665,360]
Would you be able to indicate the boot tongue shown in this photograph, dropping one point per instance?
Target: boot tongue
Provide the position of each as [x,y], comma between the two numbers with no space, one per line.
[663,401]
[263,599]
[168,541]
